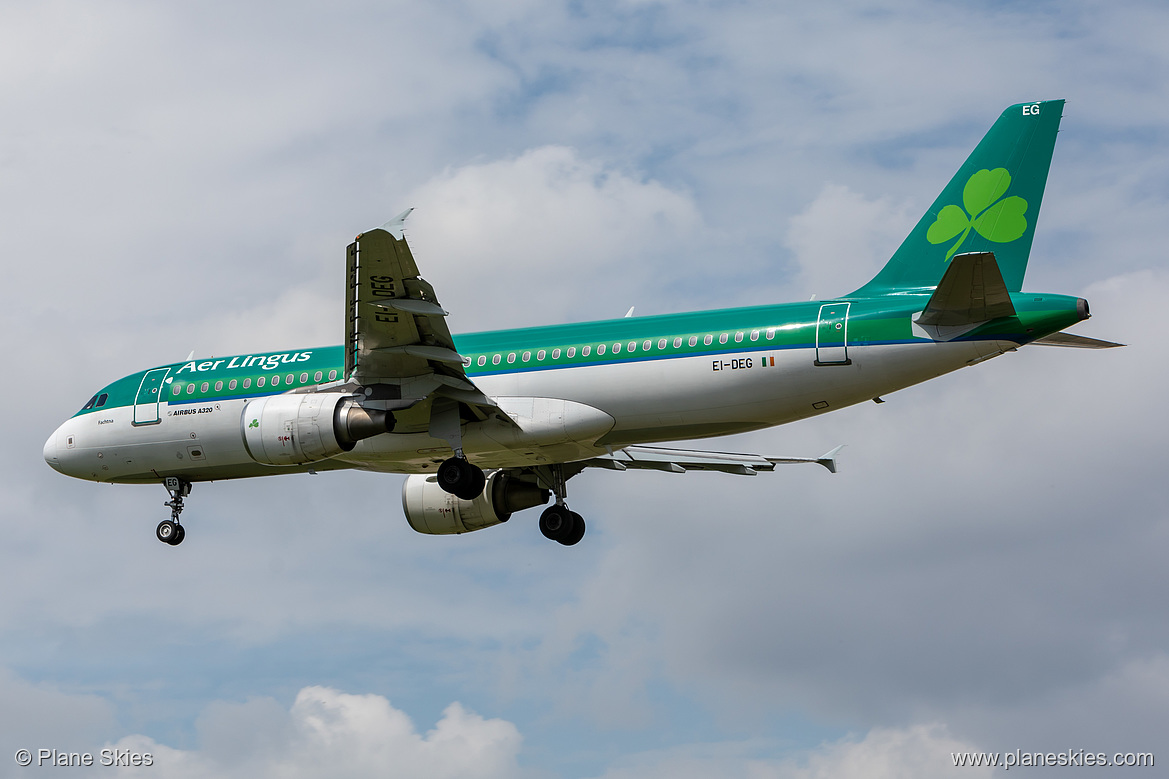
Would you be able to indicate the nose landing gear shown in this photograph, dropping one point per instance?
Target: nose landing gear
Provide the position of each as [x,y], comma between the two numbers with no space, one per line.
[169,531]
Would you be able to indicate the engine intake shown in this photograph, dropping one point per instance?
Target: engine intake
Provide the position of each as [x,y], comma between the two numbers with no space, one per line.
[298,429]
[432,511]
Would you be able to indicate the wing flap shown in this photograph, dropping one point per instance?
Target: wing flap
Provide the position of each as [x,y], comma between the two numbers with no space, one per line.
[657,458]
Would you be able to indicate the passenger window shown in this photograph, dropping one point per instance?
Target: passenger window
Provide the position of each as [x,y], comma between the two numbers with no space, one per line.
[677,343]
[247,383]
[232,384]
[722,339]
[616,348]
[527,357]
[205,387]
[275,381]
[333,375]
[571,352]
[466,362]
[693,340]
[662,344]
[632,346]
[218,386]
[495,358]
[540,355]
[320,375]
[191,388]
[482,360]
[288,379]
[739,337]
[586,351]
[304,378]
[555,354]
[708,339]
[754,335]
[770,333]
[601,349]
[260,381]
[175,388]
[511,358]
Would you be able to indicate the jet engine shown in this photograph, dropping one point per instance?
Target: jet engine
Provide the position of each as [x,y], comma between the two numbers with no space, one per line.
[298,429]
[432,511]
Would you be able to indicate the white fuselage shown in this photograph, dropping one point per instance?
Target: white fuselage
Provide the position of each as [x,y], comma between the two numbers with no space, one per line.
[564,414]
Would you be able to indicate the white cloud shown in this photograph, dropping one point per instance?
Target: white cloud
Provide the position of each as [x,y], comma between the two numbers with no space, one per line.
[330,733]
[842,239]
[568,236]
[923,751]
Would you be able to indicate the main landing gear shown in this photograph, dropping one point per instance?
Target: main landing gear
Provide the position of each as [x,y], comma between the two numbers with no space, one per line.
[461,478]
[169,531]
[558,522]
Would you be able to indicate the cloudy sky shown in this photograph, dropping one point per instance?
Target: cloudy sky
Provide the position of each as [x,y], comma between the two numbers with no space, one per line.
[987,571]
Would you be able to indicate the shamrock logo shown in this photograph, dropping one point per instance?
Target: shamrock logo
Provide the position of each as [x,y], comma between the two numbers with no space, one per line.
[995,219]
[255,423]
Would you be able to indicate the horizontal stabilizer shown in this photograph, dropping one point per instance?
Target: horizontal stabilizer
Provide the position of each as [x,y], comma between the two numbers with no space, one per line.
[972,291]
[1074,341]
[657,458]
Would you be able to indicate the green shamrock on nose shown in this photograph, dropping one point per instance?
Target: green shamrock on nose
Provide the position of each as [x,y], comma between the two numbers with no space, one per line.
[1001,221]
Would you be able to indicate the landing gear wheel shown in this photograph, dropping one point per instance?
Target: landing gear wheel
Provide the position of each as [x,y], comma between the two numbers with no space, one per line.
[180,534]
[577,532]
[167,531]
[557,523]
[461,478]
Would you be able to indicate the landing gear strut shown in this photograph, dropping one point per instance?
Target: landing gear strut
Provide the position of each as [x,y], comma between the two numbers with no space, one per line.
[558,522]
[461,478]
[169,531]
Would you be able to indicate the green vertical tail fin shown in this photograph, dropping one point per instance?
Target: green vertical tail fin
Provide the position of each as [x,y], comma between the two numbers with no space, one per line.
[991,205]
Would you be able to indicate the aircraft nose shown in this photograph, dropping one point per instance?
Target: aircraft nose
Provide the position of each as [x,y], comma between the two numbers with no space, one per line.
[50,452]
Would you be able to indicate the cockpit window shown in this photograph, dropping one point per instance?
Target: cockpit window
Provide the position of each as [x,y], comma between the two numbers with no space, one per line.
[89,405]
[101,399]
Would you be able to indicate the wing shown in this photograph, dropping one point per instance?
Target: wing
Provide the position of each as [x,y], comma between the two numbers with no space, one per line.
[656,458]
[397,344]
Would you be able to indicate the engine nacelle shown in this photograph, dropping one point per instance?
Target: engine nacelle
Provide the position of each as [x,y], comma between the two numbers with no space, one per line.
[299,429]
[431,510]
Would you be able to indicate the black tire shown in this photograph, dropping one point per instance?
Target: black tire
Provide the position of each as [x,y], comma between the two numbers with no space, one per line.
[557,522]
[461,478]
[451,475]
[574,536]
[180,534]
[480,480]
[166,531]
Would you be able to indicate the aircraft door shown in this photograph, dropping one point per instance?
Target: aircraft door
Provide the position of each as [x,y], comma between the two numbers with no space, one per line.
[148,397]
[832,335]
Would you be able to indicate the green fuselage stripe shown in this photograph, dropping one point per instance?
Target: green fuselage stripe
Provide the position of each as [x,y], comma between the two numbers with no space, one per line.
[871,322]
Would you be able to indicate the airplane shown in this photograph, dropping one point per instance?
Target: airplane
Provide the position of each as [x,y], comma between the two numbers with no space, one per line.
[490,423]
